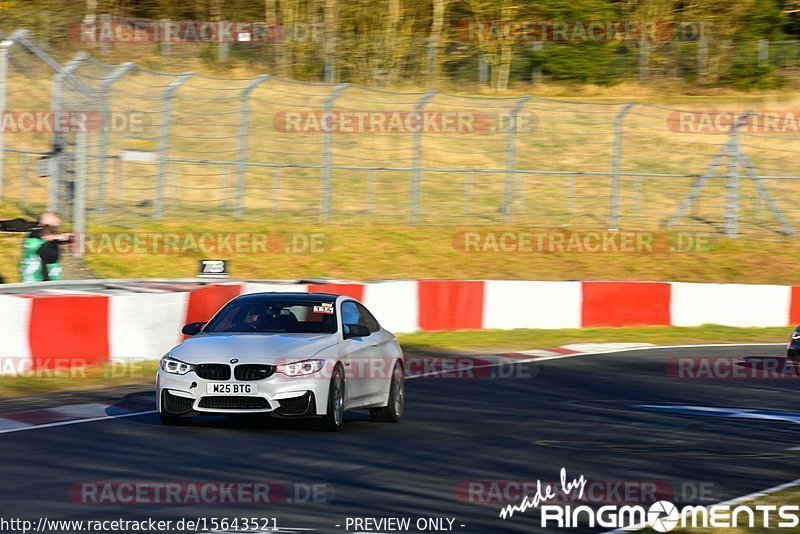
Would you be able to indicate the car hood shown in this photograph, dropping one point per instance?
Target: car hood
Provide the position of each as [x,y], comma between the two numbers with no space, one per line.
[252,348]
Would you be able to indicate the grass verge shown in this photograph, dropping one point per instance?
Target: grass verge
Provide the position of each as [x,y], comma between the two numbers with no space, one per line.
[76,379]
[143,372]
[381,252]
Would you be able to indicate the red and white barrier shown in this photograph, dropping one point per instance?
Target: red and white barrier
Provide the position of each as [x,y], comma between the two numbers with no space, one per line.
[47,330]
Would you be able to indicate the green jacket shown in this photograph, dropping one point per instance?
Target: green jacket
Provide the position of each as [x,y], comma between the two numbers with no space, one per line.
[39,259]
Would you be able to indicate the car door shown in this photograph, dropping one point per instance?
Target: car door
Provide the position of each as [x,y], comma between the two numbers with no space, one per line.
[358,351]
[381,359]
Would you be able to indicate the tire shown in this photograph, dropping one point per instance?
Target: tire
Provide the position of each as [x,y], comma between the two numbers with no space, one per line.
[392,412]
[333,418]
[174,420]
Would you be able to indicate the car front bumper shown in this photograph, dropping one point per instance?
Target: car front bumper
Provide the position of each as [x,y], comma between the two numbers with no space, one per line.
[277,394]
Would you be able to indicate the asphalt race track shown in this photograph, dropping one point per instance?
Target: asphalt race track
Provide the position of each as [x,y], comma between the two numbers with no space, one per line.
[583,413]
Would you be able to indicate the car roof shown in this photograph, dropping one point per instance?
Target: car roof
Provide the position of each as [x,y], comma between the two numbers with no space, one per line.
[297,296]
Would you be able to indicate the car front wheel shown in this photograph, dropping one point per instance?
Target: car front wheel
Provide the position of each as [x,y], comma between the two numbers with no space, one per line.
[332,420]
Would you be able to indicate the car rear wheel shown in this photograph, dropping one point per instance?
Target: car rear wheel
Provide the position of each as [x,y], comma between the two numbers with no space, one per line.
[174,420]
[392,412]
[332,420]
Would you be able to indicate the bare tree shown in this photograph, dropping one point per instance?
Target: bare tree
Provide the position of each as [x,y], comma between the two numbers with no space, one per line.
[331,21]
[497,45]
[435,41]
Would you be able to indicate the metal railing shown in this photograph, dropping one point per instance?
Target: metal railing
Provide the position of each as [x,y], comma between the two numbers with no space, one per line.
[187,145]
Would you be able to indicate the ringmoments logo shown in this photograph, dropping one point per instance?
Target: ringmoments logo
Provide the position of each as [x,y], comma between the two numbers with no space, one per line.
[661,516]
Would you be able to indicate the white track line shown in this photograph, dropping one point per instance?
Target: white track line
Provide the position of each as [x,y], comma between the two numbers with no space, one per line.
[75,422]
[511,361]
[733,502]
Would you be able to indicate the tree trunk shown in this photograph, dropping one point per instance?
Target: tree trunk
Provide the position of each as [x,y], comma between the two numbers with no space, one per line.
[435,42]
[90,22]
[506,53]
[331,23]
[289,16]
[270,21]
[270,11]
[391,41]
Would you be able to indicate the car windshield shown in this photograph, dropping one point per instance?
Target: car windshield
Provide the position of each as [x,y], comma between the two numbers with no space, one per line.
[275,316]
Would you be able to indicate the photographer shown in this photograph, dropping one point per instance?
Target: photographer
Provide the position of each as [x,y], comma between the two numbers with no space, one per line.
[40,250]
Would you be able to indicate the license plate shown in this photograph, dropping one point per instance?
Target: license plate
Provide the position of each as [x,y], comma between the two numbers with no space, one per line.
[229,388]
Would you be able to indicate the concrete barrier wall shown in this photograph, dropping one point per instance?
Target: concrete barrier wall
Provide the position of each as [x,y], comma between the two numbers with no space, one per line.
[57,328]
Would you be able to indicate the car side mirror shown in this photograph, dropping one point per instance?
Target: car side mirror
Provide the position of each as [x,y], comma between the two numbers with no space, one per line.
[355,330]
[192,328]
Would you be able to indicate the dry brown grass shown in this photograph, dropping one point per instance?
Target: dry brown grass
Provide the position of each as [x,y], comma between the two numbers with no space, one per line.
[378,252]
[572,138]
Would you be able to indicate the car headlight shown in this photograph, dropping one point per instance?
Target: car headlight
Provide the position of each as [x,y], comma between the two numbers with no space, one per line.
[175,367]
[306,367]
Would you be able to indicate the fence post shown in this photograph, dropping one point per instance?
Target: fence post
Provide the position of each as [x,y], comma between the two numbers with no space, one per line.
[732,179]
[244,123]
[105,95]
[79,202]
[5,48]
[56,103]
[766,198]
[616,165]
[163,141]
[416,156]
[327,156]
[511,157]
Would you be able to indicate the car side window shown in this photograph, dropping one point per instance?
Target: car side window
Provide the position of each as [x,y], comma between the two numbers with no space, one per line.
[367,319]
[350,313]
